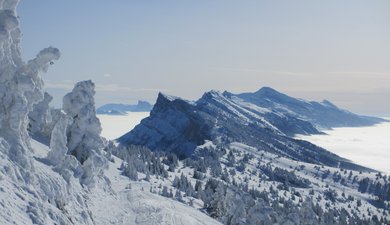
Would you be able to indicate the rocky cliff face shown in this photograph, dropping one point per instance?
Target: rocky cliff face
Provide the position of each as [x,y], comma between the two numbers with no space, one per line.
[174,125]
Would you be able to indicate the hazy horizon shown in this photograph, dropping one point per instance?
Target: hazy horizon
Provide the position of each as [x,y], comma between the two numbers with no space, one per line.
[132,50]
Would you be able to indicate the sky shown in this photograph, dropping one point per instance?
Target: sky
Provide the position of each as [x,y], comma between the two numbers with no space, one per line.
[335,50]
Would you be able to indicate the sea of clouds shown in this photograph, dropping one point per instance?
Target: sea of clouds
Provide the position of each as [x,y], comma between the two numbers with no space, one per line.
[115,126]
[367,146]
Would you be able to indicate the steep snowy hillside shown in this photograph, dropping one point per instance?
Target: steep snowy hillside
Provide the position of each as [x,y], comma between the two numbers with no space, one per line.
[118,201]
[179,126]
[240,184]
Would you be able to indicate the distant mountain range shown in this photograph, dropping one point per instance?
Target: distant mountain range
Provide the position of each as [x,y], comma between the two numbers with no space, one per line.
[265,119]
[121,109]
[321,114]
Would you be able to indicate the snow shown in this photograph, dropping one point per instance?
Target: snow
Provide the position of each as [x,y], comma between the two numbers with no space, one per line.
[48,199]
[173,98]
[136,205]
[115,126]
[368,146]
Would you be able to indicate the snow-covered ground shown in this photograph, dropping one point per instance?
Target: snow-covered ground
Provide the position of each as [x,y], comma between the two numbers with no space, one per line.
[122,202]
[115,126]
[368,146]
[133,203]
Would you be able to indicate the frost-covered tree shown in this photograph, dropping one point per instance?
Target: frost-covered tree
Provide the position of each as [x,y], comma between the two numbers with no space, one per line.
[172,161]
[66,165]
[178,196]
[130,171]
[165,192]
[58,140]
[41,122]
[20,84]
[83,135]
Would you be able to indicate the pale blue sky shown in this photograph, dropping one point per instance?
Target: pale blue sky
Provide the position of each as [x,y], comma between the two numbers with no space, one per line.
[338,50]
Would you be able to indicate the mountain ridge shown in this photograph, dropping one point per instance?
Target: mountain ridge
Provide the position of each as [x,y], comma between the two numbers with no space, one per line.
[180,126]
[323,115]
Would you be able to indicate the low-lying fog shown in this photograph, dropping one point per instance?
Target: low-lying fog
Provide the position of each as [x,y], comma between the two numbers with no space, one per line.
[115,126]
[367,146]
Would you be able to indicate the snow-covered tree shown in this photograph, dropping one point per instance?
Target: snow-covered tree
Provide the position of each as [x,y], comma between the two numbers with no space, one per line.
[20,84]
[83,135]
[41,122]
[178,196]
[58,140]
[130,171]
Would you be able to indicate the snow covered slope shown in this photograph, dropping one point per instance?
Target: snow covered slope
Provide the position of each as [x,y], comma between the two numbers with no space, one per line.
[110,202]
[131,202]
